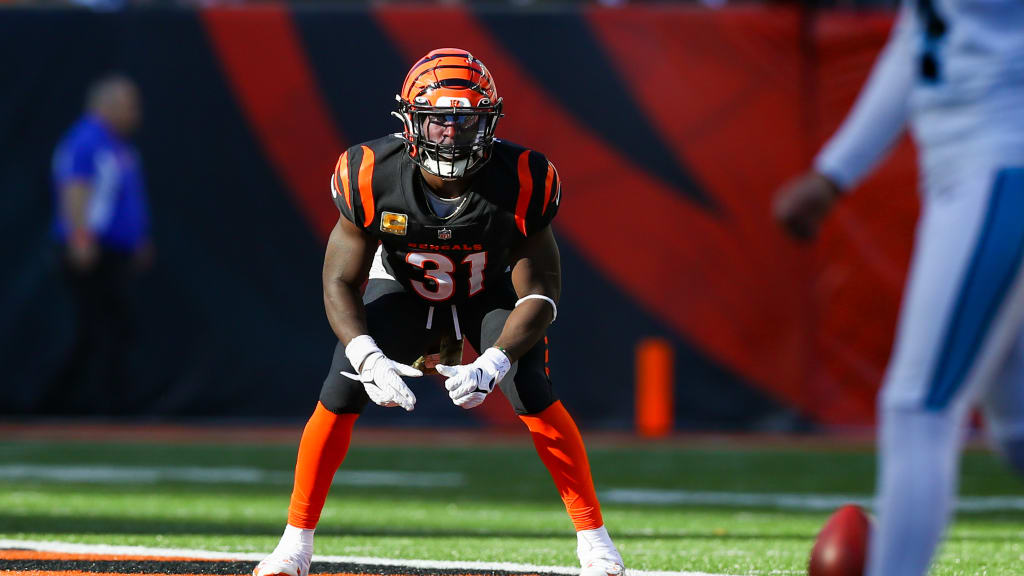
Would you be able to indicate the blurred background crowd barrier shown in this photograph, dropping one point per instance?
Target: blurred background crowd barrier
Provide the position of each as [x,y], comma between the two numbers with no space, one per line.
[671,127]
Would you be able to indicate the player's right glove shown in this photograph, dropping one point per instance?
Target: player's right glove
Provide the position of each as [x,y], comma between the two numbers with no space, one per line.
[381,376]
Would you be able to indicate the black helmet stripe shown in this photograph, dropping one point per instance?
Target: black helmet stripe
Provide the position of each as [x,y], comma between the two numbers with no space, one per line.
[458,83]
[436,56]
[449,66]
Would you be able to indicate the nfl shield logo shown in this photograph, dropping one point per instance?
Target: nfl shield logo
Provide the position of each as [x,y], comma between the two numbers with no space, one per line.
[444,234]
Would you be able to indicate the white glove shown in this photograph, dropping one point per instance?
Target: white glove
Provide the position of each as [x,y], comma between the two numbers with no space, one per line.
[469,384]
[381,376]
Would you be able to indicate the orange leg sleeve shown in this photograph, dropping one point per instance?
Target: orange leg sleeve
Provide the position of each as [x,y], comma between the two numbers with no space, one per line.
[560,447]
[323,446]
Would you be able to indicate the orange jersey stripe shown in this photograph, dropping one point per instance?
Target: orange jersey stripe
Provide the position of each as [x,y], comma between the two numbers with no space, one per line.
[341,175]
[365,185]
[525,191]
[547,187]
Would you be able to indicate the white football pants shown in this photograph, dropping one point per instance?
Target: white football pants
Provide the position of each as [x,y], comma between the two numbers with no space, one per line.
[959,341]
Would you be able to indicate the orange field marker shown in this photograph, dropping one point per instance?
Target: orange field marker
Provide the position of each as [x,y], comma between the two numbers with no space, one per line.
[655,388]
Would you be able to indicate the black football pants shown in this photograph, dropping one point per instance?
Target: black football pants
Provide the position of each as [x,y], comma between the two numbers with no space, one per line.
[397,321]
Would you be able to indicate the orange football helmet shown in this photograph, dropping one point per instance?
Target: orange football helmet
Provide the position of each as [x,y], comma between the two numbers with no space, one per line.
[450,107]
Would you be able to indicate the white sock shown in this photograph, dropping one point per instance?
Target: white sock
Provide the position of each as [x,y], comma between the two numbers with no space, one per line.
[595,543]
[918,458]
[295,537]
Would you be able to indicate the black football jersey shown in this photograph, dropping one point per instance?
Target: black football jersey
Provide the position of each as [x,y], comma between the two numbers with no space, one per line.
[377,186]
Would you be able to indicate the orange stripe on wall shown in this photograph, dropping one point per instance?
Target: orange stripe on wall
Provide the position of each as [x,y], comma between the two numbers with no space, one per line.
[264,59]
[655,401]
[525,191]
[366,185]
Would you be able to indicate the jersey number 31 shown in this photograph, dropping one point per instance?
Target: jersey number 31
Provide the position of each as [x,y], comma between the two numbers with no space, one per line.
[440,268]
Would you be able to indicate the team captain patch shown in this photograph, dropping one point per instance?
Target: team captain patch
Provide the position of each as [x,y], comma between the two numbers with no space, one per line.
[393,223]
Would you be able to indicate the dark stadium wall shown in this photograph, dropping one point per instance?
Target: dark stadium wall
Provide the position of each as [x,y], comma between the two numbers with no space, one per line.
[670,127]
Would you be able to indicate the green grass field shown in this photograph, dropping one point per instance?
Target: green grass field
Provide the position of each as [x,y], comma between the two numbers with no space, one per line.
[492,503]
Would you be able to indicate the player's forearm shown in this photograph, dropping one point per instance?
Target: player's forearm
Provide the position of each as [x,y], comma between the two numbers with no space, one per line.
[537,278]
[345,310]
[524,327]
[74,205]
[878,117]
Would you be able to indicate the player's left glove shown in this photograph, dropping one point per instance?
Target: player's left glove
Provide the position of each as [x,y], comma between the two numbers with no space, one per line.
[469,384]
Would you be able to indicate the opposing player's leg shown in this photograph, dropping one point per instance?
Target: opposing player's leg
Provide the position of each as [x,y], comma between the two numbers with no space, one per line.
[559,445]
[392,318]
[961,312]
[1003,403]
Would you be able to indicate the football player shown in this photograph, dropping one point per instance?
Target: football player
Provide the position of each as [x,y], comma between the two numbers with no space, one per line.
[451,228]
[953,69]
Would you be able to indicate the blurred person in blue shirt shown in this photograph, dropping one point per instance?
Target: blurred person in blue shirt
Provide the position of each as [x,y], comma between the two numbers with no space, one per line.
[102,228]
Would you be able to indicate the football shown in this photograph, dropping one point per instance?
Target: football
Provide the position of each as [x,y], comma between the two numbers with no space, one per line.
[842,545]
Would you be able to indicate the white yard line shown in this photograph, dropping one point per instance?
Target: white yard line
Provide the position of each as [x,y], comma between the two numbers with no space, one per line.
[412,479]
[795,501]
[218,475]
[68,548]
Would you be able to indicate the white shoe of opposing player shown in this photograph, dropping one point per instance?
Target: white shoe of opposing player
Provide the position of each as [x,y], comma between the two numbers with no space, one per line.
[598,555]
[291,557]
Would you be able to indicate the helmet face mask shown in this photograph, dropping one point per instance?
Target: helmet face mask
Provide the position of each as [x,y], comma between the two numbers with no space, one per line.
[450,109]
[452,142]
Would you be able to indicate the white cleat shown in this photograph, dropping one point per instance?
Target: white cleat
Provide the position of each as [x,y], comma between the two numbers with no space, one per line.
[603,567]
[598,555]
[287,562]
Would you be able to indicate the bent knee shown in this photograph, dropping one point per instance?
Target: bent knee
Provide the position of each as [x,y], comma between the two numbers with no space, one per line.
[342,395]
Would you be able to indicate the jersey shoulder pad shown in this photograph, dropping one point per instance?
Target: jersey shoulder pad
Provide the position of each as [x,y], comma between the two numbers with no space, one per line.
[362,174]
[539,186]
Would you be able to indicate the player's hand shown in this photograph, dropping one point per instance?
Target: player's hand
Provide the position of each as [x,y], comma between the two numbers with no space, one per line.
[144,256]
[802,203]
[382,379]
[381,376]
[469,384]
[82,252]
